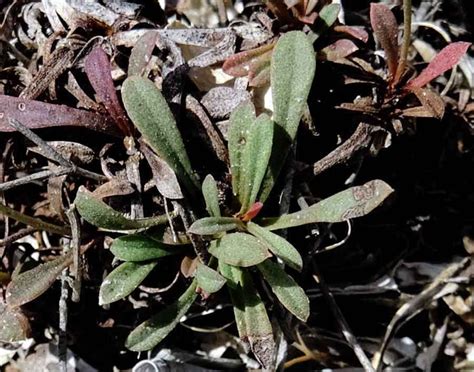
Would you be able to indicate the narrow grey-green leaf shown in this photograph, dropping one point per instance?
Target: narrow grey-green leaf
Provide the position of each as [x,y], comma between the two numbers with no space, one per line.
[208,279]
[123,280]
[150,333]
[214,225]
[239,249]
[150,113]
[290,294]
[241,120]
[277,245]
[141,53]
[139,247]
[99,214]
[211,196]
[28,285]
[251,317]
[354,202]
[255,156]
[292,72]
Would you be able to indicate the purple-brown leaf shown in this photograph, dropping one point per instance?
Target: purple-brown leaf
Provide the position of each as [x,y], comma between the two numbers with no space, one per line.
[446,59]
[97,68]
[239,64]
[356,32]
[36,114]
[385,28]
[338,50]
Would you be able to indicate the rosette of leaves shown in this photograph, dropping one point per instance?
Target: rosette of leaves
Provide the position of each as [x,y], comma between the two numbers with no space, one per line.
[239,245]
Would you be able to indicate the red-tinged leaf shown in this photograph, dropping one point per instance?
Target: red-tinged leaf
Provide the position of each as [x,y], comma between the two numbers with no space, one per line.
[36,114]
[97,67]
[338,50]
[385,28]
[355,31]
[253,211]
[239,64]
[444,60]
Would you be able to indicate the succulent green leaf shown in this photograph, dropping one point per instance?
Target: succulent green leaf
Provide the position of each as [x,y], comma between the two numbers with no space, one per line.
[277,245]
[151,332]
[28,285]
[99,214]
[239,249]
[351,203]
[292,72]
[211,196]
[123,280]
[241,120]
[139,247]
[209,280]
[150,113]
[290,294]
[214,225]
[251,317]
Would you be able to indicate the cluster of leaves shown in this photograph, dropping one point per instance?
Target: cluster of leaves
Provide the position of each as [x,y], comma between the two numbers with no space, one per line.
[396,87]
[258,147]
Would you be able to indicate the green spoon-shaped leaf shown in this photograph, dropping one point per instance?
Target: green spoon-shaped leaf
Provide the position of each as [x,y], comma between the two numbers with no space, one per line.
[214,225]
[211,196]
[251,317]
[351,203]
[150,113]
[123,280]
[99,214]
[290,294]
[292,72]
[139,247]
[250,146]
[209,280]
[277,245]
[150,333]
[239,249]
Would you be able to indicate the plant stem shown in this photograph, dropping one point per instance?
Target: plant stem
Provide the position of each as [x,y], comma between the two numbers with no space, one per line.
[406,40]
